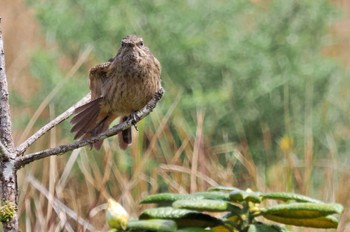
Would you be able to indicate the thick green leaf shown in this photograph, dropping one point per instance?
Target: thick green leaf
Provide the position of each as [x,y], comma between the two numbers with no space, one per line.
[266,228]
[198,220]
[288,197]
[224,228]
[213,195]
[204,205]
[223,188]
[167,198]
[152,224]
[302,210]
[322,222]
[166,213]
[183,217]
[234,217]
[194,229]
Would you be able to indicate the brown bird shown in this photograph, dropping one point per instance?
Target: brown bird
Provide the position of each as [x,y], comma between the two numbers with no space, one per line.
[119,87]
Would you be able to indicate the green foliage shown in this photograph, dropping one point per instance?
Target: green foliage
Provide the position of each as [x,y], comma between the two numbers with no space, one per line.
[189,212]
[251,68]
[246,65]
[153,224]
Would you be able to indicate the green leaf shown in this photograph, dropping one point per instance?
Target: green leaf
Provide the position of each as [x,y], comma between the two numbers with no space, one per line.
[266,228]
[167,198]
[235,217]
[193,229]
[152,224]
[166,213]
[183,217]
[213,195]
[204,205]
[321,222]
[223,188]
[302,210]
[223,228]
[288,197]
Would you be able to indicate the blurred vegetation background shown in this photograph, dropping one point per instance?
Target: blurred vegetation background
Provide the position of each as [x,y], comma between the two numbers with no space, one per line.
[257,95]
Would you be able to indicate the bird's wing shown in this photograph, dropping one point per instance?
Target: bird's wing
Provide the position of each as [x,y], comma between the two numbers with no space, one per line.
[98,77]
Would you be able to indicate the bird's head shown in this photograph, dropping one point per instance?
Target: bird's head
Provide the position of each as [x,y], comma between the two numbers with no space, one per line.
[132,41]
[132,47]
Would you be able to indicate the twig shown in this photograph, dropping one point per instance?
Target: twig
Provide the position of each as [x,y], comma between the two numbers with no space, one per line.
[24,146]
[24,160]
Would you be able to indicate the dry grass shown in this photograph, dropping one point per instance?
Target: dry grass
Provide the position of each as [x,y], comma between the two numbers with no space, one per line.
[69,192]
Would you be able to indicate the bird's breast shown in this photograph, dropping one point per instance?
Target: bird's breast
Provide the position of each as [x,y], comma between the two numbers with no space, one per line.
[135,82]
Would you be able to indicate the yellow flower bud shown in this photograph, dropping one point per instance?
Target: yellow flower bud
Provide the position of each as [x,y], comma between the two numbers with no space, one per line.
[116,215]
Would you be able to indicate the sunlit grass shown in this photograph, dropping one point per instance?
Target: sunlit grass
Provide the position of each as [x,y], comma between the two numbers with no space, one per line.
[163,154]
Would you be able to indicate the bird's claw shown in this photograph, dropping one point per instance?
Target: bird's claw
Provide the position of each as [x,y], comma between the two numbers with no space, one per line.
[134,120]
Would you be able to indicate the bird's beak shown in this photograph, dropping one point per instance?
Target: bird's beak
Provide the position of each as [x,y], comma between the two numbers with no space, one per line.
[131,45]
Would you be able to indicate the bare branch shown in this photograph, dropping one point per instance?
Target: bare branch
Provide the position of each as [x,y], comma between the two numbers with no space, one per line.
[24,160]
[5,118]
[24,146]
[8,176]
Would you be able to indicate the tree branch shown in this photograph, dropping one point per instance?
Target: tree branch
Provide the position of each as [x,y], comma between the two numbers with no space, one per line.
[5,118]
[24,146]
[132,120]
[8,176]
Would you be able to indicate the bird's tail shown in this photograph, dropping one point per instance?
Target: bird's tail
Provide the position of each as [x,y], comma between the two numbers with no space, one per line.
[124,137]
[87,121]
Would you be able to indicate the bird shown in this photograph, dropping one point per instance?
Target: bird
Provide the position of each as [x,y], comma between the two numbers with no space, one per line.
[119,87]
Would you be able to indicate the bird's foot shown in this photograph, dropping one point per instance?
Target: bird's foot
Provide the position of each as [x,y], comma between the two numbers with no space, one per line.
[134,119]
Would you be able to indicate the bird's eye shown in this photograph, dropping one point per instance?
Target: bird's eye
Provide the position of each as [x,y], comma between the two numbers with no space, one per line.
[123,44]
[141,43]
